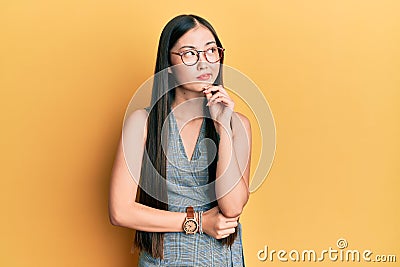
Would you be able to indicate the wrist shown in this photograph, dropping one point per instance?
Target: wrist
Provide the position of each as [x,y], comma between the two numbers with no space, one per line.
[223,127]
[191,223]
[208,221]
[200,216]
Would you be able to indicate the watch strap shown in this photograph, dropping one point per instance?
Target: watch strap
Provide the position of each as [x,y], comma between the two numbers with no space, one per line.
[190,212]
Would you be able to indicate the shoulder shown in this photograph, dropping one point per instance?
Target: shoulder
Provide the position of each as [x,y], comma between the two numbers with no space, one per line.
[138,116]
[137,121]
[240,121]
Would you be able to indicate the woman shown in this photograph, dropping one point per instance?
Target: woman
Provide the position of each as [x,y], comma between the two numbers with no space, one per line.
[192,154]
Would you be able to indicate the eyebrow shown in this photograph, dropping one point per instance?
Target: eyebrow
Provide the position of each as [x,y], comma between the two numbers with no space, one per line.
[192,47]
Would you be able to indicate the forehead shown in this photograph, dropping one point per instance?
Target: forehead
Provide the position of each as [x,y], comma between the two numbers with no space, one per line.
[198,37]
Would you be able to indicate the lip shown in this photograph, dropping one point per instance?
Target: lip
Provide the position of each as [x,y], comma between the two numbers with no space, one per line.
[204,77]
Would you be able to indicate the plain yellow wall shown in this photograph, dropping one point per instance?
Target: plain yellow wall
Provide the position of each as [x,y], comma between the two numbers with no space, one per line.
[329,70]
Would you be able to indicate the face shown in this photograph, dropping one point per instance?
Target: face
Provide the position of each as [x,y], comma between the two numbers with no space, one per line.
[194,77]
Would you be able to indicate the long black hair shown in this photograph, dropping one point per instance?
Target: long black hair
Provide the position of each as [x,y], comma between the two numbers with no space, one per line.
[152,190]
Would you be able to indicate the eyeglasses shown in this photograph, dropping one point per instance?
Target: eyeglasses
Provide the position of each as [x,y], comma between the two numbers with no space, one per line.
[191,56]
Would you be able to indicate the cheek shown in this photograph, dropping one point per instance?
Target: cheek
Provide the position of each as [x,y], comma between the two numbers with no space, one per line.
[215,69]
[183,74]
[175,59]
[187,74]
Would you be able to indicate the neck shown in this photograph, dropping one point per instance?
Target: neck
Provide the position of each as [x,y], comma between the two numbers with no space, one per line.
[187,104]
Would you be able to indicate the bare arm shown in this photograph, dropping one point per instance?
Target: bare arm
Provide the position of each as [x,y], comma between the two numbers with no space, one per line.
[233,168]
[124,211]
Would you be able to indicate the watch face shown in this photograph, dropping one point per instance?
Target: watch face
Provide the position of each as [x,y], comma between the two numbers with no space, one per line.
[190,226]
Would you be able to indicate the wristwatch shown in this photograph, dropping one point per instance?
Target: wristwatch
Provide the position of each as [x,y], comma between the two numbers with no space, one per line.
[190,225]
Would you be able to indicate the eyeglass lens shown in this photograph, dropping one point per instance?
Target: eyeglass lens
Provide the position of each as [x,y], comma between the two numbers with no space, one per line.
[213,55]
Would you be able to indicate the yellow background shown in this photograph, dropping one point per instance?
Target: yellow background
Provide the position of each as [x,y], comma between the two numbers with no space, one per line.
[329,70]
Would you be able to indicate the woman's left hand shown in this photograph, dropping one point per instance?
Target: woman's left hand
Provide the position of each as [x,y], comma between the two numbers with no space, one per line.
[220,105]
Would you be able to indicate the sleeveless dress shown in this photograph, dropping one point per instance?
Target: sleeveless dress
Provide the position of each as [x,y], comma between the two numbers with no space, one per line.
[187,186]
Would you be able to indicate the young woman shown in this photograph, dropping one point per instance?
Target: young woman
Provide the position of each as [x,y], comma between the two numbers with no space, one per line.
[189,154]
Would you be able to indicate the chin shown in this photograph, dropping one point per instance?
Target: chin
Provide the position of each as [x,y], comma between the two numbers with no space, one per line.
[196,87]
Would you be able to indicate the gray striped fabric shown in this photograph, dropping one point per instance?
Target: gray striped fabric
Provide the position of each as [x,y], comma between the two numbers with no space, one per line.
[187,186]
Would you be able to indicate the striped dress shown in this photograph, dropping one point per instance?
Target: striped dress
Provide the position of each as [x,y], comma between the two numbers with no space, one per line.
[187,186]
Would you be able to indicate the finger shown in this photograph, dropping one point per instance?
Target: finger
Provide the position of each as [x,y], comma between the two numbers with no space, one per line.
[214,89]
[207,94]
[227,225]
[215,101]
[213,98]
[216,95]
[222,90]
[230,219]
[224,236]
[230,225]
[226,232]
[207,86]
[210,88]
[222,100]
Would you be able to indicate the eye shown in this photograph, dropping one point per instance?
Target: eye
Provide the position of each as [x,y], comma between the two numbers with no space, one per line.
[189,53]
[212,50]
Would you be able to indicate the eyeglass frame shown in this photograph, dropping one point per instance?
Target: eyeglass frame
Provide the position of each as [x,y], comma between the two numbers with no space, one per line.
[198,55]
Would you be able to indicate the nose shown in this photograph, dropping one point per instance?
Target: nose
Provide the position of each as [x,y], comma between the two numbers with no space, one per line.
[202,63]
[202,56]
